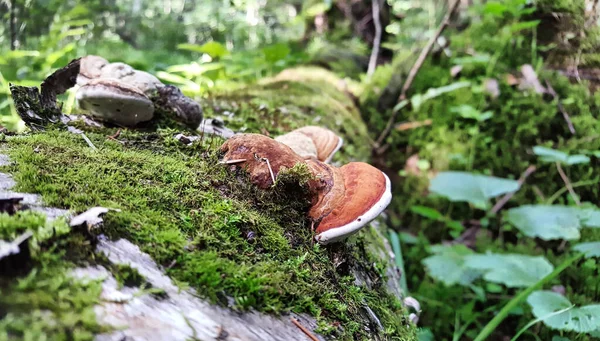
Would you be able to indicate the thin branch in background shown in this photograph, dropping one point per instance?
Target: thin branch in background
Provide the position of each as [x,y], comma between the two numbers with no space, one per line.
[567,183]
[416,67]
[561,107]
[498,206]
[376,41]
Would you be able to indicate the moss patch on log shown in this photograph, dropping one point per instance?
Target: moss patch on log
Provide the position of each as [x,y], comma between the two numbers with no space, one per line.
[294,98]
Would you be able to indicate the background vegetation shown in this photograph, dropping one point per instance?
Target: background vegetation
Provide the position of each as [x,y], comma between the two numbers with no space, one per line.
[510,85]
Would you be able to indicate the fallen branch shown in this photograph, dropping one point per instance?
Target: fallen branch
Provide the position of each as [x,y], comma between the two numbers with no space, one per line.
[498,206]
[567,183]
[376,40]
[416,67]
[561,107]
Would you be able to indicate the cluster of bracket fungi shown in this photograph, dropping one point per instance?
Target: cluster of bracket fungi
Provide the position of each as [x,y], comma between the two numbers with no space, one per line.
[345,199]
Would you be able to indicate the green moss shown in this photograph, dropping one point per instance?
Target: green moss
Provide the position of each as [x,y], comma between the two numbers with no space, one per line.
[213,231]
[296,97]
[44,301]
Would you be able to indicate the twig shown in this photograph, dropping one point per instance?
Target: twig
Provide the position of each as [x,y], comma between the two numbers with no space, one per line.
[304,330]
[498,206]
[270,170]
[88,142]
[538,192]
[567,183]
[561,107]
[417,66]
[376,40]
[268,166]
[230,162]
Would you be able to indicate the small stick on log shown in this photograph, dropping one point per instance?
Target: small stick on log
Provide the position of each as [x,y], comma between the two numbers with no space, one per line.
[498,206]
[230,162]
[376,40]
[270,170]
[567,183]
[561,107]
[304,330]
[416,67]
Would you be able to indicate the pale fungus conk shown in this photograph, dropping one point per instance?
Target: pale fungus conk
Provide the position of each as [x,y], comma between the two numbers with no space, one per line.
[115,101]
[313,142]
[119,94]
[345,199]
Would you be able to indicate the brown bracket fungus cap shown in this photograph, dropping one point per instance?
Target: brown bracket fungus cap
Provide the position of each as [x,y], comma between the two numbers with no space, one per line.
[326,142]
[261,156]
[364,194]
[114,101]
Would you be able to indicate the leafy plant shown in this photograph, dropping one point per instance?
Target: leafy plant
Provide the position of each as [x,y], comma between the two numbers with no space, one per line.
[553,155]
[583,319]
[473,188]
[553,221]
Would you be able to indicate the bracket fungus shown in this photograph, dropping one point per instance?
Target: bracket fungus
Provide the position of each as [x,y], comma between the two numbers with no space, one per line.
[119,94]
[115,101]
[345,199]
[313,142]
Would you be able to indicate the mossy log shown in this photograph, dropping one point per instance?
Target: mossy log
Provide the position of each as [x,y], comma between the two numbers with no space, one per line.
[188,249]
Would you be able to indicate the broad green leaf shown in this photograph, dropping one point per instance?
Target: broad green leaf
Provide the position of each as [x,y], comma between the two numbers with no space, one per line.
[212,48]
[447,265]
[426,212]
[553,221]
[590,249]
[512,270]
[546,222]
[583,319]
[276,52]
[474,188]
[553,155]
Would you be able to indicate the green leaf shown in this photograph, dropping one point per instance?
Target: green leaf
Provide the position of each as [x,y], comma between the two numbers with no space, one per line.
[447,265]
[512,270]
[476,59]
[495,8]
[524,25]
[426,212]
[317,9]
[590,249]
[469,112]
[583,319]
[473,188]
[419,99]
[212,48]
[546,222]
[553,221]
[275,53]
[553,155]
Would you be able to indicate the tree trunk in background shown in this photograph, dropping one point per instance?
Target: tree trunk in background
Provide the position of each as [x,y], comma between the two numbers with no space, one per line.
[13,28]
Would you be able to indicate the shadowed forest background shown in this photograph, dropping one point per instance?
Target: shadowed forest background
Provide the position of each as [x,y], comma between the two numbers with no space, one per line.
[492,144]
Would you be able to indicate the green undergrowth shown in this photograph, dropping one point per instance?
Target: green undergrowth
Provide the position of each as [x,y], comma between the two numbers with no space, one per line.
[39,300]
[236,245]
[295,98]
[500,145]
